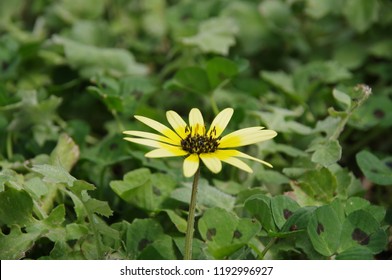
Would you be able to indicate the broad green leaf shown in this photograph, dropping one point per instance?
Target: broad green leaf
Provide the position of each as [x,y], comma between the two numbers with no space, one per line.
[54,174]
[342,97]
[177,220]
[36,187]
[361,14]
[356,253]
[280,80]
[319,184]
[299,220]
[327,153]
[140,234]
[324,228]
[208,196]
[215,35]
[143,189]
[66,153]
[320,8]
[14,245]
[259,206]
[193,79]
[382,49]
[224,232]
[16,207]
[75,231]
[160,249]
[361,228]
[376,113]
[219,70]
[99,207]
[94,60]
[374,169]
[276,13]
[282,208]
[351,55]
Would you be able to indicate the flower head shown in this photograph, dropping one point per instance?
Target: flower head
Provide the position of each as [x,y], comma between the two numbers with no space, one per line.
[195,143]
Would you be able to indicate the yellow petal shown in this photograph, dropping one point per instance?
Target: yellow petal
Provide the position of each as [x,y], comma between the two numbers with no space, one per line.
[151,136]
[242,155]
[146,142]
[178,124]
[196,122]
[160,128]
[223,155]
[220,122]
[212,162]
[246,136]
[238,163]
[191,164]
[166,152]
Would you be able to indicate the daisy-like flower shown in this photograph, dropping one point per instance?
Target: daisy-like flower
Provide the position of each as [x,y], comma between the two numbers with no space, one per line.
[195,143]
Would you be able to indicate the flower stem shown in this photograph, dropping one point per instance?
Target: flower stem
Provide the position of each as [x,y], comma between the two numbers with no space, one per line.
[191,218]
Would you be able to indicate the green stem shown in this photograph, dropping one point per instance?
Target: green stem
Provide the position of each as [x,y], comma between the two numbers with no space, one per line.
[213,105]
[191,218]
[9,146]
[366,91]
[269,245]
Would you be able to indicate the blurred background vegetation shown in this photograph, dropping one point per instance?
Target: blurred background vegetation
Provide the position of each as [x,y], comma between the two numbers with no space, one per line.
[73,74]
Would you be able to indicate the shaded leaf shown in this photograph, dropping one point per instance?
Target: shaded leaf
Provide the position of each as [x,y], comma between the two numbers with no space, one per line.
[374,169]
[214,35]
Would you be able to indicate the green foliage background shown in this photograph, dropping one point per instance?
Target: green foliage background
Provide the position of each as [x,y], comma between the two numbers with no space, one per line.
[73,74]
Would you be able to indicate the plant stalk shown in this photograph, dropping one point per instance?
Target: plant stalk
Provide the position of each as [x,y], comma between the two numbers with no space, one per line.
[191,218]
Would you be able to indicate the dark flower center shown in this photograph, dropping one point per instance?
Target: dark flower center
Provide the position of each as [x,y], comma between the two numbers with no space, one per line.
[200,143]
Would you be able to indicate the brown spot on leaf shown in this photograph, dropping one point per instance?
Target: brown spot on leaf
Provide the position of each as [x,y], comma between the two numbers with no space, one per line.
[211,232]
[156,191]
[360,236]
[143,244]
[294,227]
[320,228]
[378,113]
[287,213]
[237,234]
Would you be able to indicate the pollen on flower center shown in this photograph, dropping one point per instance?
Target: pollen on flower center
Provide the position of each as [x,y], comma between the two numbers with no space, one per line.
[200,143]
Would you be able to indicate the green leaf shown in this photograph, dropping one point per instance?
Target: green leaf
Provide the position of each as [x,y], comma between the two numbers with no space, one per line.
[208,196]
[259,206]
[219,70]
[94,60]
[215,35]
[342,97]
[15,207]
[54,174]
[143,189]
[327,153]
[319,184]
[361,13]
[324,228]
[224,232]
[14,245]
[177,220]
[318,9]
[193,79]
[276,13]
[282,208]
[99,207]
[280,80]
[374,169]
[141,234]
[356,253]
[361,229]
[66,153]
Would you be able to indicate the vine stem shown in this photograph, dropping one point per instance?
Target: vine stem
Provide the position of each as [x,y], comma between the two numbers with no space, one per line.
[191,218]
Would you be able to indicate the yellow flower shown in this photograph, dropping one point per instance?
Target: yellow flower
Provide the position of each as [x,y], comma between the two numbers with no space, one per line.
[194,142]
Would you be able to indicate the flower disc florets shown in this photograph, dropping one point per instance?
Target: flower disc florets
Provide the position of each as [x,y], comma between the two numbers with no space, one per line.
[200,143]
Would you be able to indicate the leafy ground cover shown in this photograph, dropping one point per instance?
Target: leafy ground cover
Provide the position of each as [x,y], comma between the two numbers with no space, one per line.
[74,73]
